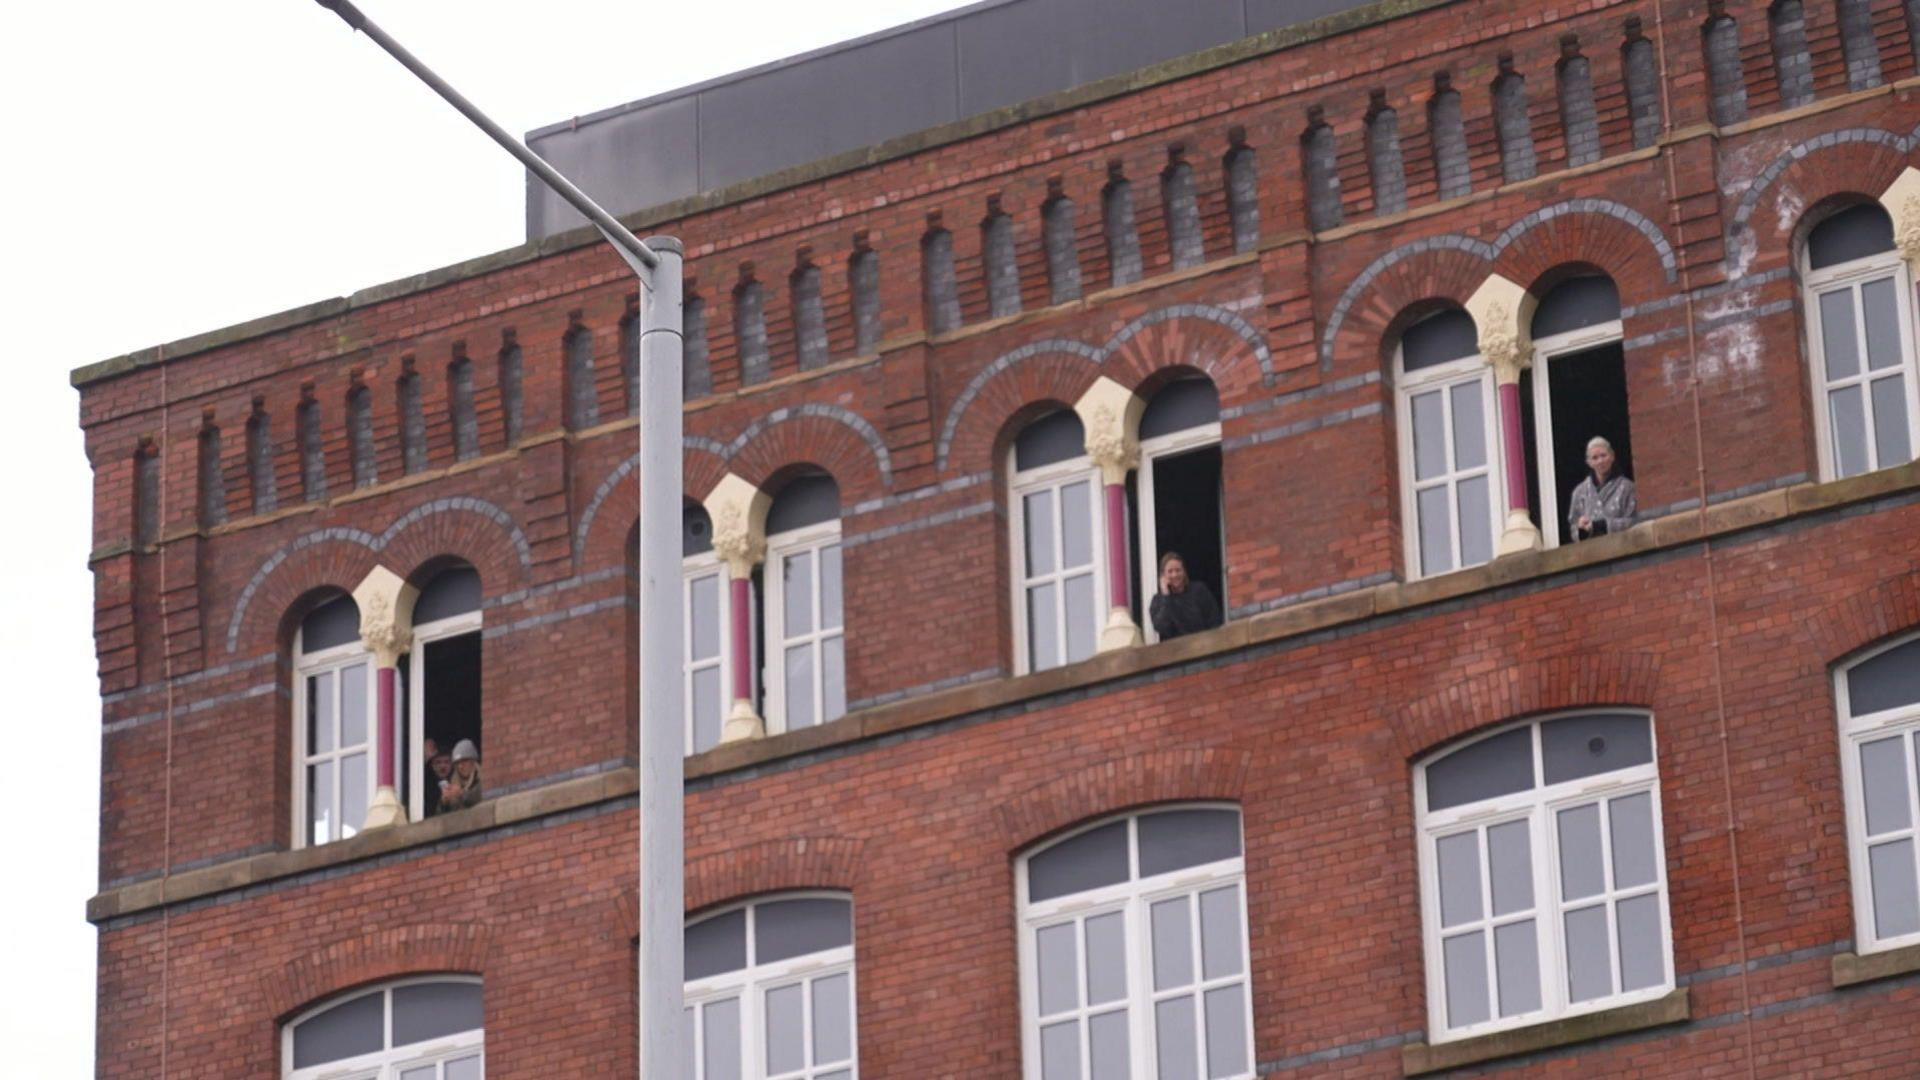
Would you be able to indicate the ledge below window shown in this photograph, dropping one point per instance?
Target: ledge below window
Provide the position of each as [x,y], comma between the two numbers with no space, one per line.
[1419,1058]
[1851,969]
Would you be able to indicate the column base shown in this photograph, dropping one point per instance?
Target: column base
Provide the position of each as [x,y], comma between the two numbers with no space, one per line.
[1120,632]
[385,810]
[1520,535]
[742,723]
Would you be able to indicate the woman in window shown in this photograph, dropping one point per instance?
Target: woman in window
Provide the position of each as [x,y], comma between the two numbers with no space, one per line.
[463,787]
[1182,606]
[1605,501]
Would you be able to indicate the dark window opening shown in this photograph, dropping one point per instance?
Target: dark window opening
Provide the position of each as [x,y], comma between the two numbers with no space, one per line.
[1187,517]
[1586,396]
[1853,233]
[450,696]
[1055,437]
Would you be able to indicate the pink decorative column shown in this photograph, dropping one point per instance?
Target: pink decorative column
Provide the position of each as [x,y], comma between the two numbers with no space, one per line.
[738,510]
[1499,307]
[1118,593]
[1514,441]
[1110,416]
[740,593]
[386,629]
[387,678]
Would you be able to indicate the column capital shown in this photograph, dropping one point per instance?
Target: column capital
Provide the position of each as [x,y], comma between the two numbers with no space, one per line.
[1902,201]
[386,614]
[1501,311]
[739,513]
[1110,416]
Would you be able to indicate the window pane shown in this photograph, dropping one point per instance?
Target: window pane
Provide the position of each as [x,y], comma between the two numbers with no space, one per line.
[1469,426]
[703,607]
[1589,967]
[1106,958]
[1579,746]
[1060,1051]
[1896,899]
[842,1074]
[1837,331]
[796,592]
[1631,821]
[466,1068]
[1083,618]
[1076,524]
[1059,969]
[784,929]
[1459,858]
[320,803]
[1043,628]
[1581,872]
[346,1030]
[1177,839]
[424,1072]
[799,690]
[353,705]
[1880,304]
[320,713]
[1883,778]
[707,709]
[1094,858]
[722,1059]
[1220,933]
[830,587]
[1501,765]
[1641,962]
[1516,959]
[1890,421]
[1179,1049]
[1476,521]
[833,677]
[1227,1030]
[688,1044]
[1110,1054]
[424,1011]
[716,945]
[1465,957]
[353,794]
[1172,944]
[786,1027]
[1436,530]
[1887,681]
[1510,865]
[1039,521]
[1849,431]
[832,1019]
[1429,435]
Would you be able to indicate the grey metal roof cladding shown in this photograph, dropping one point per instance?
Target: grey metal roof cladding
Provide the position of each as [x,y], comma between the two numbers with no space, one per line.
[857,93]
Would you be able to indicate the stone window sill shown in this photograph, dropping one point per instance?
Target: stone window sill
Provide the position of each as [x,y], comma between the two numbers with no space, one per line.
[1851,969]
[1419,1058]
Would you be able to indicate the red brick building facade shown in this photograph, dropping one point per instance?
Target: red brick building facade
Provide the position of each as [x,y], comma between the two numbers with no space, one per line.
[1298,202]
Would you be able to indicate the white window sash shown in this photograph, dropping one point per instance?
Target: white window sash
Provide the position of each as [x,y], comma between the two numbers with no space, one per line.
[388,1062]
[1152,451]
[326,664]
[693,568]
[751,984]
[1901,722]
[1548,351]
[1851,276]
[1442,378]
[466,622]
[1052,478]
[809,542]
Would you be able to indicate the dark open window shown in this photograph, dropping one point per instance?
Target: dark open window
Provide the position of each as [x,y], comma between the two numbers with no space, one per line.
[1176,496]
[1576,390]
[442,676]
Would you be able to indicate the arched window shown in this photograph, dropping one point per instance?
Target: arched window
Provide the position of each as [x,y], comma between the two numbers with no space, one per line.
[334,736]
[806,652]
[1133,949]
[1860,329]
[708,625]
[1177,496]
[770,993]
[1879,705]
[415,1029]
[1059,563]
[442,678]
[1543,880]
[1449,468]
[1575,390]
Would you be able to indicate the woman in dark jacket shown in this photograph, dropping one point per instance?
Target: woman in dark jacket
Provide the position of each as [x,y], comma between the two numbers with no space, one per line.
[1182,606]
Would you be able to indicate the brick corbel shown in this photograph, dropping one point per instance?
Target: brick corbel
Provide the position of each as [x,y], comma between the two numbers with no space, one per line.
[1561,682]
[375,956]
[1120,784]
[1862,618]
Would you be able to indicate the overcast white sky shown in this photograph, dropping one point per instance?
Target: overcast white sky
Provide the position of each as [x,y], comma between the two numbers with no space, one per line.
[171,168]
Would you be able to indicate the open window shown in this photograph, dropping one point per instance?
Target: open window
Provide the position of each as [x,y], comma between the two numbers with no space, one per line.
[1859,296]
[334,733]
[1879,704]
[770,991]
[806,677]
[414,1029]
[1059,565]
[707,623]
[1575,391]
[1177,494]
[1449,468]
[442,677]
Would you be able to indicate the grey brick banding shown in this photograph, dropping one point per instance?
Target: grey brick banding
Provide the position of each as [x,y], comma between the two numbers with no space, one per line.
[192,678]
[200,706]
[917,524]
[1318,593]
[577,611]
[1301,427]
[1096,356]
[1770,175]
[944,487]
[462,504]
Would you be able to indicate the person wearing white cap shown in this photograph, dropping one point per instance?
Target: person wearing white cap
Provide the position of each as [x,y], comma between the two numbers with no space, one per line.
[463,787]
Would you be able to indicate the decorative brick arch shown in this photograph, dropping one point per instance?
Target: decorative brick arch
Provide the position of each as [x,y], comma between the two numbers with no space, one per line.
[842,443]
[1207,339]
[770,866]
[1865,618]
[375,956]
[1862,161]
[615,504]
[1561,682]
[1003,390]
[1119,784]
[1435,268]
[1617,246]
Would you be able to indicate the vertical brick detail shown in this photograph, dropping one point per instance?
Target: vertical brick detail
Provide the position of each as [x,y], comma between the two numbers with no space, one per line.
[696,370]
[1452,169]
[1579,121]
[809,316]
[1003,271]
[750,330]
[1122,235]
[1643,85]
[1118,784]
[413,420]
[146,494]
[1385,167]
[260,481]
[630,359]
[1063,252]
[1857,44]
[213,487]
[1317,153]
[1792,64]
[583,407]
[1512,124]
[1181,204]
[312,448]
[466,420]
[360,445]
[863,280]
[512,395]
[1242,169]
[940,290]
[1721,39]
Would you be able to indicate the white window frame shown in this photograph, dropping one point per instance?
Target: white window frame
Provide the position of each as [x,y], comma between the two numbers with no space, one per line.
[809,540]
[1813,283]
[466,622]
[1049,477]
[1442,377]
[692,568]
[389,1062]
[324,663]
[1546,352]
[752,983]
[1172,444]
[1903,721]
[1539,807]
[1135,897]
